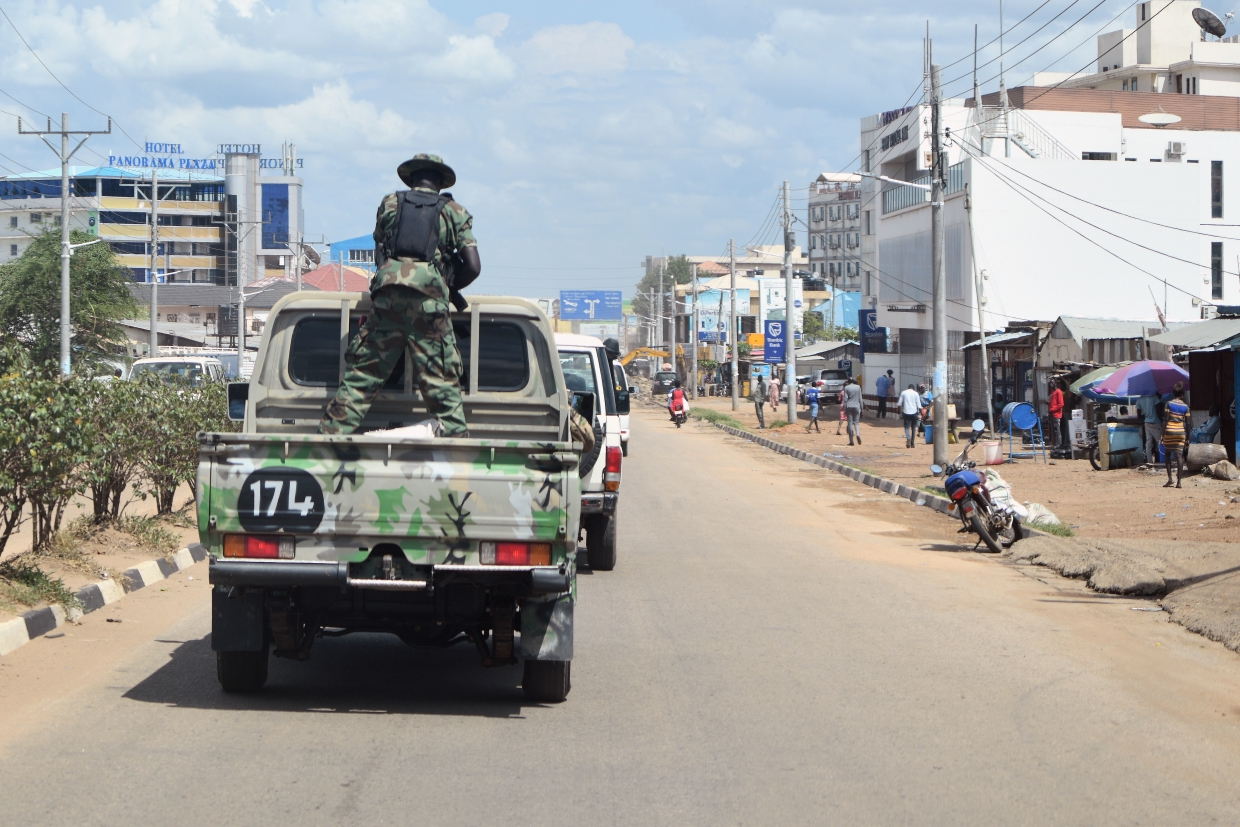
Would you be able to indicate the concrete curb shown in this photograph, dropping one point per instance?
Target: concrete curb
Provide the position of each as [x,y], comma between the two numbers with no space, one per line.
[914,495]
[20,631]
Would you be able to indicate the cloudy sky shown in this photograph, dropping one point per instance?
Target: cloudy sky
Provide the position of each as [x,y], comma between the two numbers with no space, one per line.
[585,135]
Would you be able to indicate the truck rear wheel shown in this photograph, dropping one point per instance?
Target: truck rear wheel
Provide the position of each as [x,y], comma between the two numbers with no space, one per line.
[547,681]
[601,542]
[241,671]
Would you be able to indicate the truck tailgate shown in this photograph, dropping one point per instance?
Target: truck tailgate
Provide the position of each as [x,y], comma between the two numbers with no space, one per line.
[339,496]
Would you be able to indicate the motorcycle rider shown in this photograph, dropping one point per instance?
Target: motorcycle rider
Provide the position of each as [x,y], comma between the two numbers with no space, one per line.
[676,400]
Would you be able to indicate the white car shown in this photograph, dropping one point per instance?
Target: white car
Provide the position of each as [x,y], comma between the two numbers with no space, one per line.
[193,369]
[587,372]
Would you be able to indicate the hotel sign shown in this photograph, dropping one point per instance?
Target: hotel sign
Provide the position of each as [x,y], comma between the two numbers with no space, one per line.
[160,155]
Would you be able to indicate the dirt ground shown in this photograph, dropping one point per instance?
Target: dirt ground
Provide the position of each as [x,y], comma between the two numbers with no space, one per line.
[104,553]
[1119,504]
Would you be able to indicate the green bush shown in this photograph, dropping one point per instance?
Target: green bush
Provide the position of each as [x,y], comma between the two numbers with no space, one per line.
[24,583]
[45,441]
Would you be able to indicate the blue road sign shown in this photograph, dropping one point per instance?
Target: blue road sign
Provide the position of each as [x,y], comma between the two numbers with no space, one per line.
[591,305]
[775,348]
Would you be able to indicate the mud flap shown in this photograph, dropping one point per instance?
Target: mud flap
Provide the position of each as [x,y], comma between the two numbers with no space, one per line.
[237,622]
[547,628]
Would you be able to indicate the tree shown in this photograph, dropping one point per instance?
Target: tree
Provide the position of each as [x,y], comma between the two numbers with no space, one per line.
[679,271]
[814,328]
[99,298]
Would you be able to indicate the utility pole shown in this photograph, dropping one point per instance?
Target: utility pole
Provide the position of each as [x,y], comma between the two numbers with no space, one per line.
[658,320]
[790,353]
[938,244]
[693,333]
[732,325]
[979,297]
[154,346]
[66,249]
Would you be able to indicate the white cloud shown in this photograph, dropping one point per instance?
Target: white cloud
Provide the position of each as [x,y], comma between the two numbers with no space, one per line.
[584,48]
[471,59]
[492,24]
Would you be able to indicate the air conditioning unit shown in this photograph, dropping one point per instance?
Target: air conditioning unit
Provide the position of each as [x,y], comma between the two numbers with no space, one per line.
[1209,311]
[1177,148]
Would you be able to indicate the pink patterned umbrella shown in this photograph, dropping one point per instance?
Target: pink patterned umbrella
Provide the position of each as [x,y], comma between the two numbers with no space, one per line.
[1148,378]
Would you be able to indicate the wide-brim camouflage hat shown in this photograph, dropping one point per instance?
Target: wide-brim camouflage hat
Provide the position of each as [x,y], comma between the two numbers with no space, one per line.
[423,161]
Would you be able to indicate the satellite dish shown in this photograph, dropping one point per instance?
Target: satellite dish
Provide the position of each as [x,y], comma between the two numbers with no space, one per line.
[1159,119]
[1209,22]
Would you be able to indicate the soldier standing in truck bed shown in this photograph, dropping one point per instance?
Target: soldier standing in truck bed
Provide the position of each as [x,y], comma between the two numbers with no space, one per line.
[425,254]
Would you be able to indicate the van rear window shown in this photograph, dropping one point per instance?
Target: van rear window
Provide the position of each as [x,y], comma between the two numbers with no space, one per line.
[503,360]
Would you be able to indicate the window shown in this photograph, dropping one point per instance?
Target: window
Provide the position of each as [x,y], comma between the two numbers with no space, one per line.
[1179,84]
[362,256]
[36,218]
[1216,189]
[1216,269]
[1125,86]
[869,217]
[1143,10]
[13,221]
[172,317]
[1098,156]
[12,249]
[503,358]
[1133,85]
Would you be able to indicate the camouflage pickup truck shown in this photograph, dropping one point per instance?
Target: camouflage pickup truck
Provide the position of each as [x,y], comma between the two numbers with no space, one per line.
[438,541]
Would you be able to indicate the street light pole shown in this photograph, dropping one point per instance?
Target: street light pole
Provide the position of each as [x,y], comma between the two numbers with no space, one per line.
[693,333]
[736,401]
[154,346]
[938,260]
[66,249]
[790,354]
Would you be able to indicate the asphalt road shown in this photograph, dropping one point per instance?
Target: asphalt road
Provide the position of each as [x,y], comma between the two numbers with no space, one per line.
[777,645]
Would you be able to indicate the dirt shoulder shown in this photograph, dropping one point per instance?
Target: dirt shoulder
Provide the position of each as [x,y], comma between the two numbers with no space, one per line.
[85,554]
[1134,537]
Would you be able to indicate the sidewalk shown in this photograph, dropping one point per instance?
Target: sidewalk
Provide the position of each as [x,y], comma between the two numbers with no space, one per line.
[1121,504]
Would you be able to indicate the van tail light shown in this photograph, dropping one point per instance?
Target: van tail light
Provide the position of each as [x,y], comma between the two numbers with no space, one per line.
[514,554]
[611,474]
[263,546]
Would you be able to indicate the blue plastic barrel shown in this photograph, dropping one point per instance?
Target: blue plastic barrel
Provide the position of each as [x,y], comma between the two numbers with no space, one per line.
[1021,415]
[929,434]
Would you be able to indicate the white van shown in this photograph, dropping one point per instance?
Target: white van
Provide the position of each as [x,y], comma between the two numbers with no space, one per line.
[587,372]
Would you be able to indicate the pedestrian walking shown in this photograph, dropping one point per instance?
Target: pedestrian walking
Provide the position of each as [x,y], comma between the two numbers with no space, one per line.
[426,253]
[852,409]
[811,397]
[1054,404]
[839,399]
[883,385]
[927,408]
[759,400]
[910,409]
[1175,434]
[772,393]
[1148,406]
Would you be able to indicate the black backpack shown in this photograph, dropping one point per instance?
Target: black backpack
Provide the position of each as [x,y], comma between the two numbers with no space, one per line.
[415,234]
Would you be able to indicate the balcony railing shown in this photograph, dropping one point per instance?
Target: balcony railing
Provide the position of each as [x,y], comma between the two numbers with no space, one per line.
[901,197]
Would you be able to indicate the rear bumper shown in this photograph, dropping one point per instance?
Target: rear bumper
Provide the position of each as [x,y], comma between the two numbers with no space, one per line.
[535,580]
[601,503]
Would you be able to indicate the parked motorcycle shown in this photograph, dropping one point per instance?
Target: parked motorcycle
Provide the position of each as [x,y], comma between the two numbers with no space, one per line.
[992,522]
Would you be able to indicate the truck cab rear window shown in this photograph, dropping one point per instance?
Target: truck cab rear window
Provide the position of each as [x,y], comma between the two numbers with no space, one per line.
[503,361]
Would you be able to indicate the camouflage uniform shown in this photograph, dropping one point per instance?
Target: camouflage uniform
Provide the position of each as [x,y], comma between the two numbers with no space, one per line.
[411,314]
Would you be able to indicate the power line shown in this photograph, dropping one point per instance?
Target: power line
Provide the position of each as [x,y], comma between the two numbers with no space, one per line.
[1017,45]
[1110,252]
[1117,212]
[59,81]
[1015,26]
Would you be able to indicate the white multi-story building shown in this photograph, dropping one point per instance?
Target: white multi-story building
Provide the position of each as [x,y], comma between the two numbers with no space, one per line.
[1079,207]
[836,223]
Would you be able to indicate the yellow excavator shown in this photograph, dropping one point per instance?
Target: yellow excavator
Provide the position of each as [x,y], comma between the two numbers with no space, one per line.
[643,352]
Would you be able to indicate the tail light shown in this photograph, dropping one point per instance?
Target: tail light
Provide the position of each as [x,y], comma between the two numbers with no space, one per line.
[611,474]
[514,554]
[266,546]
[960,493]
